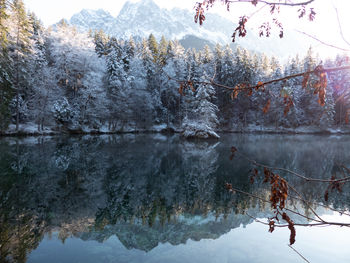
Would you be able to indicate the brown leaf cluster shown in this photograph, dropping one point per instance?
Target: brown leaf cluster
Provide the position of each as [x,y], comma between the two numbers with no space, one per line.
[278,198]
[229,188]
[246,89]
[267,107]
[265,29]
[199,16]
[255,173]
[333,185]
[288,104]
[321,85]
[242,32]
[200,8]
[305,80]
[186,85]
[279,189]
[254,2]
[291,228]
[311,13]
[280,26]
[274,8]
[271,226]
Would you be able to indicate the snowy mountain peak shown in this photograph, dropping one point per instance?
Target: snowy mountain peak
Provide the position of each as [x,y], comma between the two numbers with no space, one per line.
[148,3]
[89,13]
[145,6]
[93,19]
[144,17]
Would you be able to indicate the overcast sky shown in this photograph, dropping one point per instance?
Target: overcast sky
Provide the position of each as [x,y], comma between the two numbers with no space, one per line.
[324,27]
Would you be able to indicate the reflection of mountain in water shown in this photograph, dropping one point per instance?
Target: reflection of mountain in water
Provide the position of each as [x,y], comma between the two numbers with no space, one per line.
[145,189]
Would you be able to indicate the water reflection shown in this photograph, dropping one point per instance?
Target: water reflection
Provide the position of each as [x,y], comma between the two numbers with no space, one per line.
[145,192]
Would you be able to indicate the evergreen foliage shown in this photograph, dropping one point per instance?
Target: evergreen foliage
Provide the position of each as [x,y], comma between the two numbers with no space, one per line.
[63,79]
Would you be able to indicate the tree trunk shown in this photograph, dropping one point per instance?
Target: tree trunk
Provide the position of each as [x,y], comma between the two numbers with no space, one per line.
[17,82]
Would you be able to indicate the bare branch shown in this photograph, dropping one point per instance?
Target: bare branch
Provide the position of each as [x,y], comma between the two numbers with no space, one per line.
[267,201]
[287,4]
[318,222]
[320,204]
[340,27]
[296,251]
[322,42]
[327,70]
[304,201]
[272,3]
[308,179]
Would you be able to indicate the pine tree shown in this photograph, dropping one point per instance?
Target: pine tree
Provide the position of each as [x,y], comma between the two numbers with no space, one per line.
[38,94]
[3,28]
[175,66]
[203,120]
[225,103]
[163,46]
[339,87]
[243,74]
[308,101]
[100,40]
[21,45]
[6,88]
[153,46]
[292,88]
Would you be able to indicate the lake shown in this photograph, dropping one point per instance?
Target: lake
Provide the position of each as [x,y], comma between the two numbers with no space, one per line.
[156,198]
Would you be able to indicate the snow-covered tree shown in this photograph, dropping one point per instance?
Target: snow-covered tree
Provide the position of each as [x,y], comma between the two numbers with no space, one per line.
[202,122]
[6,88]
[79,76]
[20,49]
[175,66]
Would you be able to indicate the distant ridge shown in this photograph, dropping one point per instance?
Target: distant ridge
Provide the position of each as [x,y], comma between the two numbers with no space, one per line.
[146,17]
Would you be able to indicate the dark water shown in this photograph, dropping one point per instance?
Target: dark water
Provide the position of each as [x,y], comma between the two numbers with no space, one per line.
[153,198]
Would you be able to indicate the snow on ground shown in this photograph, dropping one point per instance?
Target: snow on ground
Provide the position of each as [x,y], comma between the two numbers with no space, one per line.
[28,129]
[192,132]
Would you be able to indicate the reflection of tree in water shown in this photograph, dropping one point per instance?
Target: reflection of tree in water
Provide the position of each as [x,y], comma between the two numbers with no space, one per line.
[162,183]
[146,189]
[41,195]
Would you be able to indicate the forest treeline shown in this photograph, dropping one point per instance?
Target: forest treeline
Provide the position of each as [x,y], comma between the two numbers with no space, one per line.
[61,79]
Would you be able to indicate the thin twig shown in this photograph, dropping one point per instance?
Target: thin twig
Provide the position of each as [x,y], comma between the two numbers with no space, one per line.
[266,201]
[322,42]
[299,254]
[318,222]
[340,27]
[308,179]
[257,11]
[296,224]
[320,204]
[289,210]
[274,3]
[304,201]
[326,70]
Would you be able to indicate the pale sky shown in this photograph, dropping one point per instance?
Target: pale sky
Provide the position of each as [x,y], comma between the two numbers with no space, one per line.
[51,11]
[325,26]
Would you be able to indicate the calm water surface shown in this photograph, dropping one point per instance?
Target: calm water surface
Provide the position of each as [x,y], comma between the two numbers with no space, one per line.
[155,198]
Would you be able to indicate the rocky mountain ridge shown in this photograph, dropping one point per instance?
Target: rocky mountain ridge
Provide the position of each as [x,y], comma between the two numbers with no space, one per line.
[142,18]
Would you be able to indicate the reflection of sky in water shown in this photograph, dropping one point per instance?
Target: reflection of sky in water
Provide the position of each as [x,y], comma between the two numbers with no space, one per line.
[250,244]
[92,188]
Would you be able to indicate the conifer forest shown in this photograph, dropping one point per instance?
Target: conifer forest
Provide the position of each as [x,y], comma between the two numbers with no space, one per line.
[151,131]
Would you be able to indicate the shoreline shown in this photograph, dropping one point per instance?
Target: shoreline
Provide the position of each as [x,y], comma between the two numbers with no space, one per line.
[311,130]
